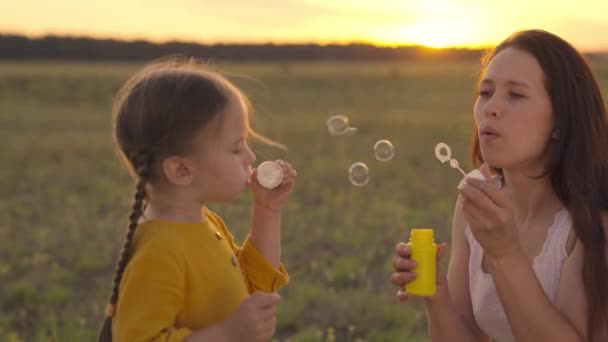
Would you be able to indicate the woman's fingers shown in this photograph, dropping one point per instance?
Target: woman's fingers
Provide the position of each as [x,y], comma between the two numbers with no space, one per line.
[403,264]
[402,278]
[402,295]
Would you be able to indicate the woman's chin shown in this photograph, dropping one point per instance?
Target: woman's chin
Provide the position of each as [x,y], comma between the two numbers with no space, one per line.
[494,162]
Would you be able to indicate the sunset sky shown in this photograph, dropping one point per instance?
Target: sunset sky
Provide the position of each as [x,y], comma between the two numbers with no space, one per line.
[435,23]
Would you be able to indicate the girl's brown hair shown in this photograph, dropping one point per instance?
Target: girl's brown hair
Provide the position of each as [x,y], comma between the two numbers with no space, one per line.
[578,157]
[156,114]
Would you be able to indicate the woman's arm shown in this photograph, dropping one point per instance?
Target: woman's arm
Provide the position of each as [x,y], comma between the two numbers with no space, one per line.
[450,312]
[571,299]
[531,315]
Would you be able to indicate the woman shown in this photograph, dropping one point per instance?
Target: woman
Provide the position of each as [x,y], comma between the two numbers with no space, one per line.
[529,260]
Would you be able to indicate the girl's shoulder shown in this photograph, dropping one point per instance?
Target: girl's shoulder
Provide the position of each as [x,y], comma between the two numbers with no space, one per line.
[157,237]
[214,218]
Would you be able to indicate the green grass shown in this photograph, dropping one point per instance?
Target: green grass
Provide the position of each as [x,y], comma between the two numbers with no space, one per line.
[66,197]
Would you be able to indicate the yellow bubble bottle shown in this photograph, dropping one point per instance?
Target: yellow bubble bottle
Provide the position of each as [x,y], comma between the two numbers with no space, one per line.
[424,253]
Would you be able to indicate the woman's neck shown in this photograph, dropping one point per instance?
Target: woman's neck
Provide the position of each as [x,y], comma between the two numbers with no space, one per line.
[534,198]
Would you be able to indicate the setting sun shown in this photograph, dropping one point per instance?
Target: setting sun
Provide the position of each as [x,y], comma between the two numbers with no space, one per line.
[437,34]
[441,24]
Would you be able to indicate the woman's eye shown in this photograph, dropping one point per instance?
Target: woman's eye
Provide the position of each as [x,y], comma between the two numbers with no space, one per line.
[484,93]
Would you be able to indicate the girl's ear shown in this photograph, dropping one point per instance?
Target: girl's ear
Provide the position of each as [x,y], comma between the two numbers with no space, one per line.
[178,170]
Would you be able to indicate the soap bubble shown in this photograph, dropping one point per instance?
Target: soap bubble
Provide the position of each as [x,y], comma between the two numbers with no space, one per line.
[339,125]
[358,174]
[384,150]
[270,174]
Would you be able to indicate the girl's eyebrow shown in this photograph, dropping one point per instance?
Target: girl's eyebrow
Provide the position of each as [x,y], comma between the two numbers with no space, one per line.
[238,140]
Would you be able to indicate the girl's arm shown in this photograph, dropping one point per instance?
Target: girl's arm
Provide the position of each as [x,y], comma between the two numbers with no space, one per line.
[259,272]
[265,233]
[268,204]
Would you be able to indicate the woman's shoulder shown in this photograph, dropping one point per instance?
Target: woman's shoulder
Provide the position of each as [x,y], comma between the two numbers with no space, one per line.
[573,244]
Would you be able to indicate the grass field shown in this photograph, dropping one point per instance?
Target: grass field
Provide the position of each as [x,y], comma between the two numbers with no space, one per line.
[65,197]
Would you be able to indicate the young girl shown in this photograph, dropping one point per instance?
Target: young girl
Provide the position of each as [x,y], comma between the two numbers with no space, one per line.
[529,257]
[183,132]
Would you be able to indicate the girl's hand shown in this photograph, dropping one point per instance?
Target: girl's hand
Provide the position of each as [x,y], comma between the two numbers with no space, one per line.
[254,319]
[405,270]
[274,199]
[490,215]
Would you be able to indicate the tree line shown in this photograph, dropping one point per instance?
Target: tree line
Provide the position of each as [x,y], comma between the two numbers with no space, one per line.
[17,47]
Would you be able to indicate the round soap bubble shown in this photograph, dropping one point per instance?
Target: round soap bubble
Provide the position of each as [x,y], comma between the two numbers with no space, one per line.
[339,125]
[358,174]
[384,150]
[270,174]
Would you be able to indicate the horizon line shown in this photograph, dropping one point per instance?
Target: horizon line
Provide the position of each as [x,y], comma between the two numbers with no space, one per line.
[264,42]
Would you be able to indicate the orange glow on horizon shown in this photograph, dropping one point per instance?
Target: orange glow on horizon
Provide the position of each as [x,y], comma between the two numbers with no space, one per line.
[431,23]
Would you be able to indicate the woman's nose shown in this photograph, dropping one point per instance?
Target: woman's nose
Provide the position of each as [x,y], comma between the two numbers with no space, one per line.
[493,108]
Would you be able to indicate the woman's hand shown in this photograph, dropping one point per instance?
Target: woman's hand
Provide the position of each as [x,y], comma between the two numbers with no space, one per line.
[405,270]
[490,215]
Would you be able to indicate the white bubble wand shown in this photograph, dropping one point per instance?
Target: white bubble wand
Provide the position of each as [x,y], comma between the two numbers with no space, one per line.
[447,156]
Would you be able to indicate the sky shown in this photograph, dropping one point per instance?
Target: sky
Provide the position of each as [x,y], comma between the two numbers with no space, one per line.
[434,23]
